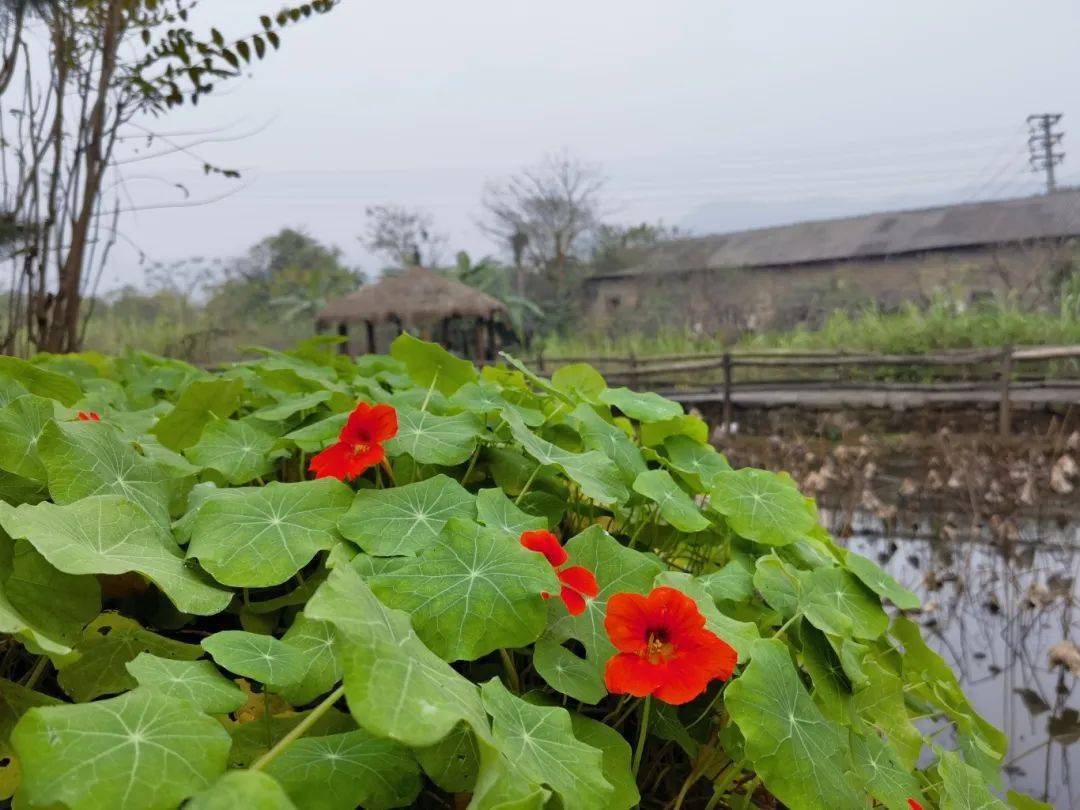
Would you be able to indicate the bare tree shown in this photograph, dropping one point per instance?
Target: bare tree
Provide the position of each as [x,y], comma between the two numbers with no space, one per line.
[404,237]
[542,213]
[83,72]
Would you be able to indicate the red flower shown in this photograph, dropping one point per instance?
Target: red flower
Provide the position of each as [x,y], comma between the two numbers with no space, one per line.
[914,805]
[577,583]
[359,445]
[664,648]
[89,416]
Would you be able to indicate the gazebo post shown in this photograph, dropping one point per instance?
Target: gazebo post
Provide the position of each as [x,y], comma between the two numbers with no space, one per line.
[343,331]
[370,337]
[478,341]
[491,337]
[446,333]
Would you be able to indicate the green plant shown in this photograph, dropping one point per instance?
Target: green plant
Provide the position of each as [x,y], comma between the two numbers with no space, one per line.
[190,618]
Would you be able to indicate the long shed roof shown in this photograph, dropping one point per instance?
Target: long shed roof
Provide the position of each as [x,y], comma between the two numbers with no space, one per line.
[872,235]
[414,295]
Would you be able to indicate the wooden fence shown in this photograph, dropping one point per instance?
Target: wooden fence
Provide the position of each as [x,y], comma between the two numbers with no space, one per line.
[997,372]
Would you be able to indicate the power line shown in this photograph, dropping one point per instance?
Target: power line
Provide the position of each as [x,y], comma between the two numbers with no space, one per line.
[1042,142]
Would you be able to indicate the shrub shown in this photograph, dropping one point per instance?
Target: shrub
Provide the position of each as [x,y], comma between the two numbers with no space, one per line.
[194,618]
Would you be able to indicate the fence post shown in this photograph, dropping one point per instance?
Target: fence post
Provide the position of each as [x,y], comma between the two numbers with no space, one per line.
[632,374]
[540,361]
[727,392]
[1005,406]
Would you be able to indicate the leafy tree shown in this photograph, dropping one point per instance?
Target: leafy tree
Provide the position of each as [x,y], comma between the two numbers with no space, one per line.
[289,275]
[404,237]
[494,278]
[618,246]
[543,214]
[86,70]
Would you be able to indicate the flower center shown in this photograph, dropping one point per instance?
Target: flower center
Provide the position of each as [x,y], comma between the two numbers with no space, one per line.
[360,448]
[657,648]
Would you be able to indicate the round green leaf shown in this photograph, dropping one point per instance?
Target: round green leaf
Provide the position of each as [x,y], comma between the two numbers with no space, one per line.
[676,507]
[198,682]
[762,506]
[837,603]
[314,640]
[250,790]
[474,591]
[139,751]
[568,673]
[405,520]
[235,449]
[430,363]
[880,582]
[262,658]
[644,406]
[22,423]
[496,511]
[261,536]
[430,439]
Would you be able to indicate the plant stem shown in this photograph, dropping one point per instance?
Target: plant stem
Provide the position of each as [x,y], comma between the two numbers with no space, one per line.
[785,625]
[643,730]
[300,729]
[707,710]
[37,671]
[431,388]
[642,525]
[469,469]
[389,472]
[511,671]
[528,484]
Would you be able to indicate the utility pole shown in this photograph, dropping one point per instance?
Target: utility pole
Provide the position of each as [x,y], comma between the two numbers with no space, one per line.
[1042,142]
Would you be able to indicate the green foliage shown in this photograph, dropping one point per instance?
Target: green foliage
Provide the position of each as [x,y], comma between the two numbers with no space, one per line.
[361,644]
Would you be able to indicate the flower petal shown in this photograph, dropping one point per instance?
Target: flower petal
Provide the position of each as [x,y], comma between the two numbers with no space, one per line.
[360,462]
[681,680]
[628,621]
[580,579]
[384,424]
[333,462]
[574,601]
[628,674]
[545,543]
[677,613]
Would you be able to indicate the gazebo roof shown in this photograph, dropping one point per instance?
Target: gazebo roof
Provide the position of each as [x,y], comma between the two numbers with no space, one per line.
[414,295]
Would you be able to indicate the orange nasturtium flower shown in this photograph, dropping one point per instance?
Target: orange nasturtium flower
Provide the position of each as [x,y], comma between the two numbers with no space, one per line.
[359,444]
[914,805]
[88,416]
[577,583]
[664,648]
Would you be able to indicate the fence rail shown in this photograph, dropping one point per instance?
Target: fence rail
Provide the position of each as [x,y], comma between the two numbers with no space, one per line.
[712,377]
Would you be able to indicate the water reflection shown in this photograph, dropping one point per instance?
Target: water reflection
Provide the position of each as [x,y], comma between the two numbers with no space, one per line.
[994,609]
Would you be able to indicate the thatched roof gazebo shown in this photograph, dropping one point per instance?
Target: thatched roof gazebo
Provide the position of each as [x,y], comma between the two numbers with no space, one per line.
[423,302]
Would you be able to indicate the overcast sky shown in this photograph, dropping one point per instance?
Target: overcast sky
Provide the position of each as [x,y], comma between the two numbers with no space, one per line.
[710,114]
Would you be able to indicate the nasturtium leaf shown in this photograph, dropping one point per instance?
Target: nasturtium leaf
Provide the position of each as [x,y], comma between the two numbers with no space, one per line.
[395,686]
[617,569]
[315,642]
[600,435]
[15,701]
[14,489]
[430,439]
[880,582]
[836,602]
[695,458]
[676,507]
[237,450]
[616,752]
[962,786]
[1021,801]
[642,406]
[139,751]
[797,752]
[568,673]
[762,506]
[22,423]
[579,380]
[256,537]
[733,582]
[474,591]
[405,520]
[45,607]
[779,584]
[88,458]
[832,687]
[740,635]
[496,511]
[345,771]
[10,391]
[453,762]
[501,785]
[877,766]
[107,534]
[201,401]
[108,644]
[318,435]
[198,682]
[291,405]
[483,398]
[260,732]
[39,381]
[882,703]
[654,434]
[540,742]
[250,790]
[594,472]
[430,364]
[262,658]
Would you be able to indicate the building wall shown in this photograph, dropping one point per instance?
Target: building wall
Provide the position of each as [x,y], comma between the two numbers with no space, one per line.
[779,298]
